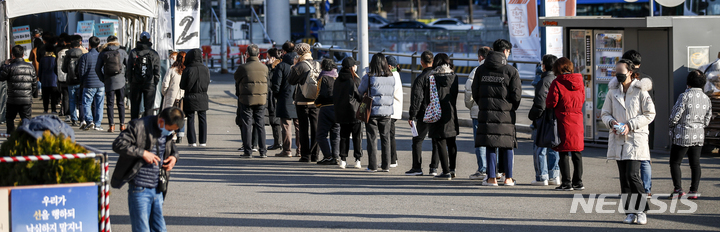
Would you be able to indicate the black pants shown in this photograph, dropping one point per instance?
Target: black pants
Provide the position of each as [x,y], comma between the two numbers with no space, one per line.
[328,133]
[677,153]
[13,110]
[378,126]
[393,144]
[64,99]
[276,128]
[202,119]
[346,129]
[50,96]
[564,164]
[632,186]
[447,150]
[422,130]
[308,120]
[147,96]
[253,118]
[117,96]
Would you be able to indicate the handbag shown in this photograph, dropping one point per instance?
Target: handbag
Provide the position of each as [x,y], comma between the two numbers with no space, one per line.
[547,130]
[365,108]
[433,112]
[178,103]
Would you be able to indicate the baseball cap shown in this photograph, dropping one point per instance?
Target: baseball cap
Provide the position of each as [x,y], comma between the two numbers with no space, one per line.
[145,36]
[392,61]
[349,62]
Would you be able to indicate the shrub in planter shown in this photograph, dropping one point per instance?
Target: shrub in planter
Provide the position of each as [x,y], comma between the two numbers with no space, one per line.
[45,172]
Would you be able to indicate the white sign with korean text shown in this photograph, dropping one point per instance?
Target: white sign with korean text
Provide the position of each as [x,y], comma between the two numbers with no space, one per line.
[522,21]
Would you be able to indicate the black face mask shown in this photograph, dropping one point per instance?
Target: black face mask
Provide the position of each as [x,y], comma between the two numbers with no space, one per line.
[621,77]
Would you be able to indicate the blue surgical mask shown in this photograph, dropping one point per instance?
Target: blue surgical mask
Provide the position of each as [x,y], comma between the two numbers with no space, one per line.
[165,132]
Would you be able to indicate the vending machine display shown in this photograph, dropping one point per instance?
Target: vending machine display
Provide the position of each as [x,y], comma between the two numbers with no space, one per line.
[608,51]
[581,49]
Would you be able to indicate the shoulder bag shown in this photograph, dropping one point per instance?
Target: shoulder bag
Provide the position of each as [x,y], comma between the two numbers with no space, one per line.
[365,108]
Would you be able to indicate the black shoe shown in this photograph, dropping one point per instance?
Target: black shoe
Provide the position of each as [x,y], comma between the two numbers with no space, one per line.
[414,172]
[452,173]
[179,140]
[245,156]
[433,172]
[443,176]
[564,188]
[263,155]
[241,149]
[314,159]
[578,187]
[328,161]
[274,147]
[304,160]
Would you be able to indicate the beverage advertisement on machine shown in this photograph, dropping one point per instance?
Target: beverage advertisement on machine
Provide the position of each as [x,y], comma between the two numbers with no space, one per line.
[554,35]
[524,32]
[22,37]
[187,25]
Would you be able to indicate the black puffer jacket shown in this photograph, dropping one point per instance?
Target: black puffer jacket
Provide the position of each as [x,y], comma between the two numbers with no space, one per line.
[497,90]
[417,105]
[195,81]
[346,97]
[21,81]
[142,49]
[327,83]
[282,89]
[541,92]
[140,135]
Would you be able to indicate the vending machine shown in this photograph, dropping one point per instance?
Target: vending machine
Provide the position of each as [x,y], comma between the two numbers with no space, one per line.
[594,54]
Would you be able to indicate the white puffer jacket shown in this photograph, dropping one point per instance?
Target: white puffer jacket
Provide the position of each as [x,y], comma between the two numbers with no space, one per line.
[398,97]
[634,108]
[469,102]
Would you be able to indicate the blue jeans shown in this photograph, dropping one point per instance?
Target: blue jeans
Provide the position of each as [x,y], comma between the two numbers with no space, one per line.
[542,157]
[95,96]
[72,94]
[480,152]
[145,206]
[646,174]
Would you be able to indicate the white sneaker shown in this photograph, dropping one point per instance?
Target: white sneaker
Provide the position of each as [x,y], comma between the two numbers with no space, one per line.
[485,183]
[83,125]
[539,183]
[205,145]
[554,181]
[342,164]
[641,218]
[631,218]
[358,164]
[478,176]
[193,145]
[394,165]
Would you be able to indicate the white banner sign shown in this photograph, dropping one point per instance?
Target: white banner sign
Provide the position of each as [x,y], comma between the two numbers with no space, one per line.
[187,25]
[86,29]
[523,26]
[22,37]
[554,35]
[113,21]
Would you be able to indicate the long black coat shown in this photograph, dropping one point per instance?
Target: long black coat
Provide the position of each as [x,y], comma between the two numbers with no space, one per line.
[446,83]
[282,90]
[497,90]
[346,97]
[195,81]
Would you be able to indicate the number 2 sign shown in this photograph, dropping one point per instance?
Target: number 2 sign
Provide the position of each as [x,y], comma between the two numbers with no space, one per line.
[187,25]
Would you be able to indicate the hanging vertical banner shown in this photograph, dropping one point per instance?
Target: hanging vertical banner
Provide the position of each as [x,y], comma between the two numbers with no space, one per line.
[166,29]
[554,35]
[21,36]
[187,25]
[523,25]
[104,30]
[85,29]
[115,23]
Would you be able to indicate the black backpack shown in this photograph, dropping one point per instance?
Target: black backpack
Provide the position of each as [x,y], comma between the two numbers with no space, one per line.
[113,63]
[142,68]
[73,77]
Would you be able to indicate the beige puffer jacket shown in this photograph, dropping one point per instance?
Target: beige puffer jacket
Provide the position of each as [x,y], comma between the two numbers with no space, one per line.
[634,108]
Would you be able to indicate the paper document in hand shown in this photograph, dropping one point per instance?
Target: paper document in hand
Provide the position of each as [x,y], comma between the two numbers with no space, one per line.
[413,129]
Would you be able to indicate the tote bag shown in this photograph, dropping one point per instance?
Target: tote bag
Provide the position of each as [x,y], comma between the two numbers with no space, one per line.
[547,131]
[433,111]
[364,110]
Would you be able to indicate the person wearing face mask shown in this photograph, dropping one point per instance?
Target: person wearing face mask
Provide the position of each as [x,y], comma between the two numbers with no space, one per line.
[143,148]
[628,110]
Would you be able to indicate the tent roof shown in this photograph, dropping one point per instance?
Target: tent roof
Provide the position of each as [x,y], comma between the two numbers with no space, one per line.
[126,8]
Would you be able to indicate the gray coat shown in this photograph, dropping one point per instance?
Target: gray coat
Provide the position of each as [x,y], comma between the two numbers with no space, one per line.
[690,115]
[116,81]
[381,89]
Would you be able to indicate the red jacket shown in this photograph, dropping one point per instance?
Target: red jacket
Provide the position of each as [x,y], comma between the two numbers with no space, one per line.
[567,97]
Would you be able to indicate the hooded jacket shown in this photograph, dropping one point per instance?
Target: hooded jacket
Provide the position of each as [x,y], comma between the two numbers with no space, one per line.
[251,85]
[497,91]
[69,67]
[116,81]
[142,49]
[326,84]
[541,93]
[141,135]
[346,97]
[381,90]
[447,89]
[21,81]
[195,81]
[283,91]
[634,108]
[86,69]
[567,96]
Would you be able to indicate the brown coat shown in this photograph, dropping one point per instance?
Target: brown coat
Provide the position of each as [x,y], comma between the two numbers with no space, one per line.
[251,82]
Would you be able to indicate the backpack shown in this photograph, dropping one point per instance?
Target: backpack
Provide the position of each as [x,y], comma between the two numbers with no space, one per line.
[142,69]
[113,63]
[310,88]
[73,77]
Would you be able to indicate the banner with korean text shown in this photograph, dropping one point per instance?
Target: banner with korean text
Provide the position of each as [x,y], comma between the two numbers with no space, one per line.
[103,31]
[554,35]
[115,23]
[21,36]
[522,20]
[53,208]
[85,29]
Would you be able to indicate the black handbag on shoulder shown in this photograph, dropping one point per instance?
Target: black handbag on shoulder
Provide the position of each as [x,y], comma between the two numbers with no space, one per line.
[547,130]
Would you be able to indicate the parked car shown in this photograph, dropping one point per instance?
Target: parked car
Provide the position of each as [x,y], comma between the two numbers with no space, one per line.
[297,27]
[410,25]
[454,24]
[374,20]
